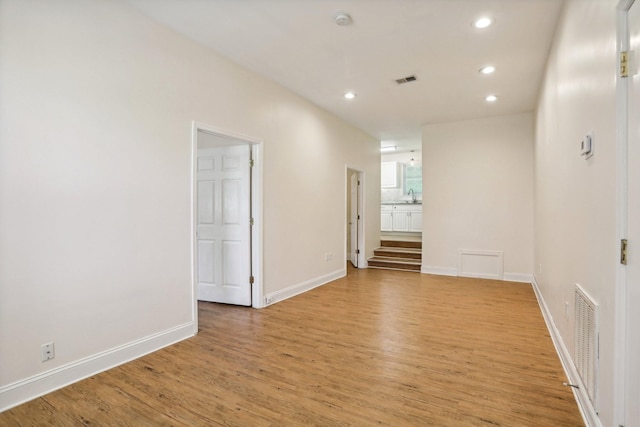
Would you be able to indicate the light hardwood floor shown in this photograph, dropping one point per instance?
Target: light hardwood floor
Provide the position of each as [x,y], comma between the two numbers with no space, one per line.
[375,348]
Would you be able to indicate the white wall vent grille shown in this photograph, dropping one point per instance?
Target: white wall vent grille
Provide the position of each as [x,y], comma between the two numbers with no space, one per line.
[586,357]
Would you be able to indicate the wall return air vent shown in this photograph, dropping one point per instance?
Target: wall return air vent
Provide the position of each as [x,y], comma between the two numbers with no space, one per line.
[407,79]
[586,342]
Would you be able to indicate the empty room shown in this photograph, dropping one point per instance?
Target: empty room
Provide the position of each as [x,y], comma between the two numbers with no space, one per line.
[319,212]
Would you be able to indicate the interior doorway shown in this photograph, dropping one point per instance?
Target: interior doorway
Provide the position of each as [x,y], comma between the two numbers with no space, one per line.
[226,218]
[355,218]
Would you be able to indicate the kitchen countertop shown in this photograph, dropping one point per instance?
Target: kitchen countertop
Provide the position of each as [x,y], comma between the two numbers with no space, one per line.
[403,202]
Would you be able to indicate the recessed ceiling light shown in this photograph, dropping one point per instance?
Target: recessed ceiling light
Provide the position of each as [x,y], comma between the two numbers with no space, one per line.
[350,95]
[491,98]
[483,22]
[488,69]
[388,148]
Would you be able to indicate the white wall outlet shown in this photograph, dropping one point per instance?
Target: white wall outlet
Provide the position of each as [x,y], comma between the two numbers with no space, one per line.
[566,310]
[268,299]
[48,351]
[329,256]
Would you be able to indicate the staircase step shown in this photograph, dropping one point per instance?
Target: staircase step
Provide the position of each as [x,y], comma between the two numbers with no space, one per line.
[396,252]
[400,244]
[394,263]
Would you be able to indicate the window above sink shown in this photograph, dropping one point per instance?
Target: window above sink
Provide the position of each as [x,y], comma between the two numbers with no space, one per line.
[412,179]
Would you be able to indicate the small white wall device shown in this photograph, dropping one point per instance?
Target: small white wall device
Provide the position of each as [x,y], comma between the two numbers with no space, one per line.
[586,146]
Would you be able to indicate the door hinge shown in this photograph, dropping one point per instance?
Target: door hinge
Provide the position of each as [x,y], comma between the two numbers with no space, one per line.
[358,182]
[624,64]
[251,280]
[357,251]
[251,163]
[251,221]
[358,216]
[623,251]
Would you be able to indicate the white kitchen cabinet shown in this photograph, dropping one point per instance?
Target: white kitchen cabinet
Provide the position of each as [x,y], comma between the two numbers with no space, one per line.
[386,218]
[389,174]
[415,220]
[400,219]
[407,217]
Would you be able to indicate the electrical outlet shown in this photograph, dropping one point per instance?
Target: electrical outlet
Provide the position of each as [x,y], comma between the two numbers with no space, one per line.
[268,299]
[566,310]
[48,351]
[329,256]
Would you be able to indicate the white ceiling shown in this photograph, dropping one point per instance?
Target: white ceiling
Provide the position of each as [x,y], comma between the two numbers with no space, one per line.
[297,44]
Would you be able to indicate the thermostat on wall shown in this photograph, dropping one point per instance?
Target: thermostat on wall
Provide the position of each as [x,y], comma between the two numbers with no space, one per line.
[586,146]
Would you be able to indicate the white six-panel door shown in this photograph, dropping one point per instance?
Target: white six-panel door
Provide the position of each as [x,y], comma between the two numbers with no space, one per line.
[223,225]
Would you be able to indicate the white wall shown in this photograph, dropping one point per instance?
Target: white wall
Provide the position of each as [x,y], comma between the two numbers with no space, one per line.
[575,198]
[478,192]
[95,169]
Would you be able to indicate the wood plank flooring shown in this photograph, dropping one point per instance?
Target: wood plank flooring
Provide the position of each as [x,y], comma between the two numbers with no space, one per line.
[384,348]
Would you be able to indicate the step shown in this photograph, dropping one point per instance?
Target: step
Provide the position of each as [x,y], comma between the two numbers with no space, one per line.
[398,252]
[393,263]
[400,244]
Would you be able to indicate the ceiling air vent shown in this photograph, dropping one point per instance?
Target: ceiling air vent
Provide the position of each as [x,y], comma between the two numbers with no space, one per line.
[407,79]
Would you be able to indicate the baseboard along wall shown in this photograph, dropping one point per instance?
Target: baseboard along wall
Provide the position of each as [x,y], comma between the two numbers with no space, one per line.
[291,291]
[587,410]
[38,385]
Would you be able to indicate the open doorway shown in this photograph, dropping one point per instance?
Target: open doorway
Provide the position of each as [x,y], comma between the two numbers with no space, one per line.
[226,218]
[355,218]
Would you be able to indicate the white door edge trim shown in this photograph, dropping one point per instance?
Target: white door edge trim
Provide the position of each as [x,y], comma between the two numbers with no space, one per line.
[363,217]
[620,319]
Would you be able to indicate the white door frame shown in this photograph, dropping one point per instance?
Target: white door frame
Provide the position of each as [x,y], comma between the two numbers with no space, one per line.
[256,145]
[361,203]
[621,398]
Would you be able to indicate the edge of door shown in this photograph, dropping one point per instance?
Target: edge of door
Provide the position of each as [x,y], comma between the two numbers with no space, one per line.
[256,144]
[361,202]
[622,44]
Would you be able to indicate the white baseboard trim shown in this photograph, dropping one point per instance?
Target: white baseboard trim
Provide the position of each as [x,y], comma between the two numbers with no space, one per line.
[481,276]
[518,277]
[507,277]
[439,271]
[291,291]
[38,385]
[587,410]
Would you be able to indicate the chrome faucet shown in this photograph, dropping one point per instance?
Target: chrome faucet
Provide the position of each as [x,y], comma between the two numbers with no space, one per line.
[412,193]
